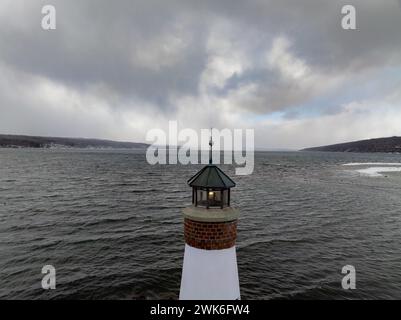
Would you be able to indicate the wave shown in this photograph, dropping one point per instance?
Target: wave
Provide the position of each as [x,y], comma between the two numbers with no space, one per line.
[246,244]
[372,164]
[145,190]
[377,171]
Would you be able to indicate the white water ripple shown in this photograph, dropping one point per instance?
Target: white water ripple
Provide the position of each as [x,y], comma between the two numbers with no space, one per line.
[375,169]
[373,164]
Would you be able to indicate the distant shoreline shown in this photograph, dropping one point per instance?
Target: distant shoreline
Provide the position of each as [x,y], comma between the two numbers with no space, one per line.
[38,142]
[379,145]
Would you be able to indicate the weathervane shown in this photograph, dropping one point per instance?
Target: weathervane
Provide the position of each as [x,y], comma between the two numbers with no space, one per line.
[211,146]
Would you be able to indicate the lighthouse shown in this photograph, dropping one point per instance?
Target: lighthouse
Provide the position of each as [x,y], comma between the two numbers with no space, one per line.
[210,269]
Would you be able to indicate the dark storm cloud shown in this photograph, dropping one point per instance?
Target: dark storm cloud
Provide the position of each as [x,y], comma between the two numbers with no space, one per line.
[258,56]
[96,42]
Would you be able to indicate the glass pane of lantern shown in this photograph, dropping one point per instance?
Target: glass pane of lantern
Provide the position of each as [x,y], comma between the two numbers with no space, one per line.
[225,197]
[202,198]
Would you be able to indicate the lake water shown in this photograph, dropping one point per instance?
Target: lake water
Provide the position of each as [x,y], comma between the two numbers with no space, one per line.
[111,225]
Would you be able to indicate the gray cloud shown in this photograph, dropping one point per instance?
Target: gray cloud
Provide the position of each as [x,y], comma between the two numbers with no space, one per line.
[169,59]
[107,43]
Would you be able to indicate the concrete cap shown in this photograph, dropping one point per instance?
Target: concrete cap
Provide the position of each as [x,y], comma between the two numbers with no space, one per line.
[211,214]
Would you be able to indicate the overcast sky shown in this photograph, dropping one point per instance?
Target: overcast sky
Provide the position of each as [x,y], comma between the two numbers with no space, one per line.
[115,69]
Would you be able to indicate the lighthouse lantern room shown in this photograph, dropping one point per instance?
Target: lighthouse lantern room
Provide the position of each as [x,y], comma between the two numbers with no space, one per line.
[211,188]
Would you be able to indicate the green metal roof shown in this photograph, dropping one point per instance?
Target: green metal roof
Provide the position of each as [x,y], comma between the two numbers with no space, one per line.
[211,176]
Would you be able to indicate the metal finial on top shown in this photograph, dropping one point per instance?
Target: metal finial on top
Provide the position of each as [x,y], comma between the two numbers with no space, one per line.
[211,146]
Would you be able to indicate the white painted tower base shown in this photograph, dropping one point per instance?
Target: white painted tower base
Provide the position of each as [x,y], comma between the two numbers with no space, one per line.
[209,274]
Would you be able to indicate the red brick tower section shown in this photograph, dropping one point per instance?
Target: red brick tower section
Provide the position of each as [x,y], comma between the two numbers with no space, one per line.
[210,235]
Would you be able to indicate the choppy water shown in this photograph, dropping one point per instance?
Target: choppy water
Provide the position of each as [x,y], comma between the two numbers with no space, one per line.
[111,225]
